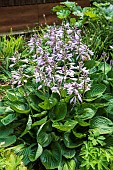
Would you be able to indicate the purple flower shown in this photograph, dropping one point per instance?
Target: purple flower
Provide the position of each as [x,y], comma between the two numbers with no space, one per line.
[60,56]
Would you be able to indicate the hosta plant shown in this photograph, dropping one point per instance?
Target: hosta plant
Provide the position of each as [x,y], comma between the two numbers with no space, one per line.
[60,103]
[40,107]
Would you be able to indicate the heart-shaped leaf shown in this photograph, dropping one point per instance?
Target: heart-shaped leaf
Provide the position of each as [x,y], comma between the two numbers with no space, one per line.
[67,126]
[71,141]
[96,91]
[20,107]
[34,155]
[59,112]
[7,141]
[69,165]
[44,135]
[67,152]
[52,158]
[102,124]
[48,103]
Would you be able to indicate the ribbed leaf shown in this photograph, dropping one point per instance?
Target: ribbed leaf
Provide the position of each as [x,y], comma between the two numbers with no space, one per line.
[103,124]
[48,103]
[11,96]
[59,112]
[28,126]
[8,119]
[2,110]
[36,153]
[44,135]
[70,165]
[44,138]
[7,141]
[96,91]
[40,122]
[5,131]
[20,107]
[52,158]
[67,153]
[104,67]
[71,141]
[67,126]
[88,113]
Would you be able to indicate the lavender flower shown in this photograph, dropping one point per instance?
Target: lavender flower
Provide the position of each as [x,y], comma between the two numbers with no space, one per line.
[59,55]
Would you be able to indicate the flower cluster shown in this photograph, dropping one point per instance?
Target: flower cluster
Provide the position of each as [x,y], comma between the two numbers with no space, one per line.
[19,78]
[60,55]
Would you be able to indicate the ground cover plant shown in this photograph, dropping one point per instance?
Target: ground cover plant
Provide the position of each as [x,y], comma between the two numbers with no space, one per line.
[57,110]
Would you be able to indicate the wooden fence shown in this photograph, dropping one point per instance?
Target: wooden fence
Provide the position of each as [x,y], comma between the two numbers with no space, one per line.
[19,15]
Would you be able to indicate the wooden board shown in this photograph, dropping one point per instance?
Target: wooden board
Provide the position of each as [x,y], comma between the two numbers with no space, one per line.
[20,18]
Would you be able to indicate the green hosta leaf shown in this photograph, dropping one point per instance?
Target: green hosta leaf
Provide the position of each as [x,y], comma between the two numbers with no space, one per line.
[81,122]
[88,113]
[63,14]
[78,135]
[11,96]
[104,67]
[34,101]
[67,126]
[20,107]
[48,103]
[60,111]
[40,122]
[44,138]
[5,131]
[8,119]
[44,135]
[57,8]
[36,154]
[26,152]
[90,64]
[103,124]
[96,90]
[67,153]
[40,114]
[41,95]
[71,141]
[2,110]
[7,141]
[68,4]
[70,165]
[9,110]
[52,158]
[28,126]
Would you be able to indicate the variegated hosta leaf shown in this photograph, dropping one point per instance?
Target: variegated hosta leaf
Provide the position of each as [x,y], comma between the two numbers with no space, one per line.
[102,124]
[44,134]
[7,141]
[52,158]
[20,107]
[67,126]
[48,103]
[8,119]
[67,152]
[28,126]
[69,165]
[35,154]
[96,91]
[59,112]
[71,141]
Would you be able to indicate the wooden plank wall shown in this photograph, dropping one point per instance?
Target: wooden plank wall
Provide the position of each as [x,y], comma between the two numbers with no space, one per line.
[25,2]
[20,18]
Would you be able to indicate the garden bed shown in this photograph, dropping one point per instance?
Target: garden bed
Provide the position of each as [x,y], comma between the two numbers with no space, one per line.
[56,106]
